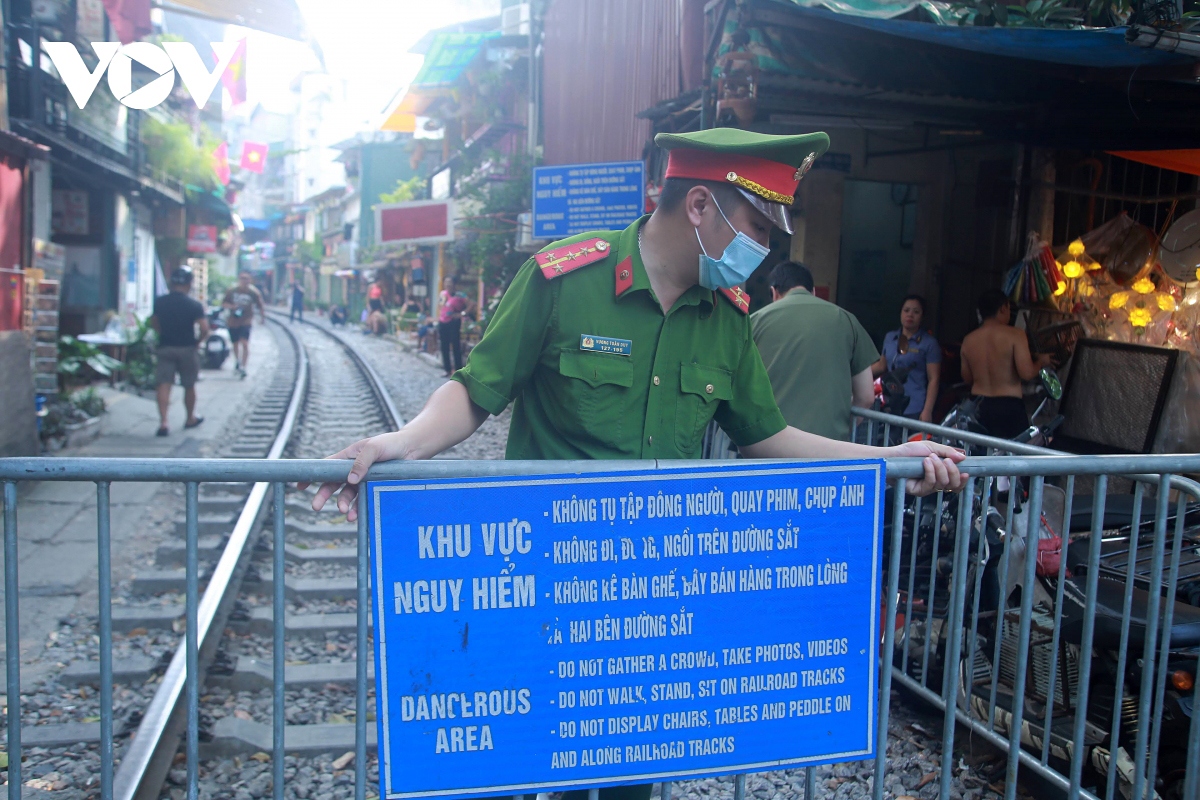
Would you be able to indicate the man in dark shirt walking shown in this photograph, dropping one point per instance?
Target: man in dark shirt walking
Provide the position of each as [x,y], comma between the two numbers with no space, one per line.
[175,318]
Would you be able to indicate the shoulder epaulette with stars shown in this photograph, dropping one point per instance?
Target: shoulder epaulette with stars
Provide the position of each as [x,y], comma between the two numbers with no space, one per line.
[740,300]
[562,260]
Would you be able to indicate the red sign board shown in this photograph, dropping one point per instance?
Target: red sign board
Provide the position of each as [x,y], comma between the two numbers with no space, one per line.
[418,222]
[202,239]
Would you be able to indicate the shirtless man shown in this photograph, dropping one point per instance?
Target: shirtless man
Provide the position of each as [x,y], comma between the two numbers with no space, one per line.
[995,360]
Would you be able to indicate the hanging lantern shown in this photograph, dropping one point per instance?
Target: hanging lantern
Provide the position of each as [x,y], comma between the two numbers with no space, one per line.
[1072,269]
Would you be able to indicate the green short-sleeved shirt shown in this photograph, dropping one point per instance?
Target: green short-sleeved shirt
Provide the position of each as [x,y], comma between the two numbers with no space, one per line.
[812,348]
[684,368]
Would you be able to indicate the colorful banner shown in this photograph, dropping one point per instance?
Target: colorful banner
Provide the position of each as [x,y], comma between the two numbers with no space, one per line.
[221,162]
[130,19]
[254,156]
[234,77]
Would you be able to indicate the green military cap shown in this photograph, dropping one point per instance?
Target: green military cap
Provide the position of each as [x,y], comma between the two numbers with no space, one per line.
[765,168]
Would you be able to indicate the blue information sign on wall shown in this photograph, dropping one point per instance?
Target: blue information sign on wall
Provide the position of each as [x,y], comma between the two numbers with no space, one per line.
[587,197]
[555,631]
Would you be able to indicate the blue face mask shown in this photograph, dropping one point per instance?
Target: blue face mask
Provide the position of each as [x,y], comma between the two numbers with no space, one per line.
[741,257]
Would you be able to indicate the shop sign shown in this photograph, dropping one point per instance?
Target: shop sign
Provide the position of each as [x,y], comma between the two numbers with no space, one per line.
[414,222]
[69,212]
[549,632]
[202,239]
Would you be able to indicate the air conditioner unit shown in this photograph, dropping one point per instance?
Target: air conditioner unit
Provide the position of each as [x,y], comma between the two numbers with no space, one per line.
[514,20]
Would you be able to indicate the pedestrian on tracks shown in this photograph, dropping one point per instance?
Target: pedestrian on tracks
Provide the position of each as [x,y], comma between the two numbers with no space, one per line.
[297,302]
[240,302]
[817,355]
[623,345]
[176,315]
[451,306]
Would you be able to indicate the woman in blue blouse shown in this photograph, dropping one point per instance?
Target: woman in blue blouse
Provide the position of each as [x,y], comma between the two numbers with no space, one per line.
[918,352]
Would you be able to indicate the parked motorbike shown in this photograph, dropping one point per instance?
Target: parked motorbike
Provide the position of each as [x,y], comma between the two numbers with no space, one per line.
[995,650]
[218,345]
[991,628]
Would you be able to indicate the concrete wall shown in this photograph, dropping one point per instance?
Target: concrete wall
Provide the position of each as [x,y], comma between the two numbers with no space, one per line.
[961,244]
[18,423]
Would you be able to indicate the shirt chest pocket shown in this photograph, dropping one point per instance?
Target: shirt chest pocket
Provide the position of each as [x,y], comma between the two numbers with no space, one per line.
[596,369]
[700,389]
[595,398]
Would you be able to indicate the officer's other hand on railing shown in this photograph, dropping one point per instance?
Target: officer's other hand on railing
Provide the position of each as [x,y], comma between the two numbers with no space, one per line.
[940,463]
[364,452]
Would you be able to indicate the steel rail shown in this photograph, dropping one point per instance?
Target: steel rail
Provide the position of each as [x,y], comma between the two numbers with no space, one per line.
[376,382]
[362,602]
[145,764]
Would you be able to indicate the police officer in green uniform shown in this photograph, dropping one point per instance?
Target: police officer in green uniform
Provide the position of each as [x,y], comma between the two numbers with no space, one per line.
[624,345]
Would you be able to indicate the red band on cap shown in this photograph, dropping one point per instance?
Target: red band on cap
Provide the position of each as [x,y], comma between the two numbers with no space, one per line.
[707,165]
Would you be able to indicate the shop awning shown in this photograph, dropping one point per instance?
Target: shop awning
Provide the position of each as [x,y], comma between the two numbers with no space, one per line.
[448,57]
[1104,48]
[1178,160]
[211,203]
[280,17]
[1014,84]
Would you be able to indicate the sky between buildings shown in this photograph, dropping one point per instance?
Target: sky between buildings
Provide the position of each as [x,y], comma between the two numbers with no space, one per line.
[365,42]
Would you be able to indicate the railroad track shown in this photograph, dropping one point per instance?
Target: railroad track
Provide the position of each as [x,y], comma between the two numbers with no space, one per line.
[322,396]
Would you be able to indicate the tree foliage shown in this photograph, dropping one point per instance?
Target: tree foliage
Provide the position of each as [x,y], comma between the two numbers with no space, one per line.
[173,149]
[310,253]
[411,189]
[497,199]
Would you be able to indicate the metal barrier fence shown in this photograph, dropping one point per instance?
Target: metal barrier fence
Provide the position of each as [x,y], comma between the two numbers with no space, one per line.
[948,565]
[1112,720]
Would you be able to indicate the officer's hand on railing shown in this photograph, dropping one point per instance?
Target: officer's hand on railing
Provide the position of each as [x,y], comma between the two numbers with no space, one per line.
[365,452]
[941,467]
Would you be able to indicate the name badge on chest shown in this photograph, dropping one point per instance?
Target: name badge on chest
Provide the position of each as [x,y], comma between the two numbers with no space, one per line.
[605,344]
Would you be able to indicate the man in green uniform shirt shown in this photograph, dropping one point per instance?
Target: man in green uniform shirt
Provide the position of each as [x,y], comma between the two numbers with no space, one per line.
[817,355]
[624,345]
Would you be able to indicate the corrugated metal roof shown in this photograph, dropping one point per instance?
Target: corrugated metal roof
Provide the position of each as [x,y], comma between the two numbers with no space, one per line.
[604,61]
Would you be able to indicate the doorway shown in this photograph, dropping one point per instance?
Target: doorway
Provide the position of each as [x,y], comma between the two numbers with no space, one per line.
[875,265]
